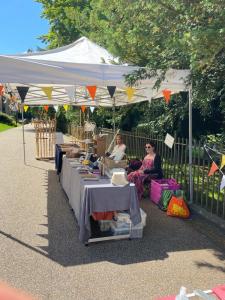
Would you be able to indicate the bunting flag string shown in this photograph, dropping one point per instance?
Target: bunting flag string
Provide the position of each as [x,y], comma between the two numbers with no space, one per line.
[83,108]
[130,92]
[92,90]
[214,150]
[214,166]
[207,148]
[92,108]
[111,90]
[48,91]
[25,108]
[66,106]
[46,107]
[166,95]
[22,90]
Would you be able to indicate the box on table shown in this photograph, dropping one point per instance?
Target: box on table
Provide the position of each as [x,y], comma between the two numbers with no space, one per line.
[100,145]
[110,163]
[159,185]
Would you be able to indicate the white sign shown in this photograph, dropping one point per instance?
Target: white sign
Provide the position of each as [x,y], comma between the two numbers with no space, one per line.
[169,140]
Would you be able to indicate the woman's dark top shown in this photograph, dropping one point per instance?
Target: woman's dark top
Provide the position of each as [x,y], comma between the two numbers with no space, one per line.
[157,168]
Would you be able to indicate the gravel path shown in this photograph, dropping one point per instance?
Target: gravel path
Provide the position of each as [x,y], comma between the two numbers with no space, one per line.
[40,252]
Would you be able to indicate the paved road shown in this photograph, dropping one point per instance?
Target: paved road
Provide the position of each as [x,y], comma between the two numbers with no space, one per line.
[40,252]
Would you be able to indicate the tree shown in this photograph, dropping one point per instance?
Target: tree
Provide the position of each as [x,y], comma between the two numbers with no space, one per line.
[159,34]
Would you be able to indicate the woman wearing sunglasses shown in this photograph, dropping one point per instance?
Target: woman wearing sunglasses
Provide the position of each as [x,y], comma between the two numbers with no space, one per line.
[150,168]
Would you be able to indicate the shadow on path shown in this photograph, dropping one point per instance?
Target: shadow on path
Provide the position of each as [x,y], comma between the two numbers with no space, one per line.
[162,235]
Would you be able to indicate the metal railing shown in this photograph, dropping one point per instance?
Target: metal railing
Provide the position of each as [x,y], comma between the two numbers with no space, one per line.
[206,190]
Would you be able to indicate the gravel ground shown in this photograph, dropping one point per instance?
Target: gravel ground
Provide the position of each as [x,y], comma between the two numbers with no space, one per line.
[40,252]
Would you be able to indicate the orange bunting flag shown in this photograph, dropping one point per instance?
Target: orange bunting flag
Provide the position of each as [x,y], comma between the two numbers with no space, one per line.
[46,107]
[25,108]
[83,108]
[1,90]
[92,90]
[66,106]
[48,91]
[213,169]
[166,95]
[130,92]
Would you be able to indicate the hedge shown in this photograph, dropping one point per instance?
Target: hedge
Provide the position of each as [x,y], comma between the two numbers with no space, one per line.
[6,119]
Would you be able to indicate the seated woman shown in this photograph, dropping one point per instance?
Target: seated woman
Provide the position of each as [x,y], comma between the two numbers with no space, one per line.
[150,168]
[119,150]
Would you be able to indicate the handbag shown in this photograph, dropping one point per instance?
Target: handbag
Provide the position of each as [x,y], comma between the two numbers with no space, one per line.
[178,208]
[165,199]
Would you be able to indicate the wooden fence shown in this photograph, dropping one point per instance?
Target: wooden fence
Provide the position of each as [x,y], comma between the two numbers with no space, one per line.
[206,190]
[45,134]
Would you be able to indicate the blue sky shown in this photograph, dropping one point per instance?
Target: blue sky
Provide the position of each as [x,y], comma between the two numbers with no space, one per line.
[21,25]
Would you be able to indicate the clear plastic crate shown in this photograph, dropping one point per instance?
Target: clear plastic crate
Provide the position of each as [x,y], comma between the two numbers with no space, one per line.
[105,225]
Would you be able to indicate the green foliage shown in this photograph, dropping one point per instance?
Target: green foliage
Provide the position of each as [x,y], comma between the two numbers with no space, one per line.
[6,119]
[159,34]
[61,122]
[4,127]
[73,115]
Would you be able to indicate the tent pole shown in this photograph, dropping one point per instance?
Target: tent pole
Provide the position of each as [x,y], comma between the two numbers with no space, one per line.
[190,145]
[24,153]
[114,123]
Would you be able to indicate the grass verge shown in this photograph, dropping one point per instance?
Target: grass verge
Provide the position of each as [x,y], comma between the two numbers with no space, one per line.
[4,127]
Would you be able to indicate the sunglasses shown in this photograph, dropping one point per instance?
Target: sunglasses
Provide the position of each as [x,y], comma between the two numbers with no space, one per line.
[148,147]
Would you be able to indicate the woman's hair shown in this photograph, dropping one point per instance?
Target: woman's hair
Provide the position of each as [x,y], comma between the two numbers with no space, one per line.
[119,136]
[153,144]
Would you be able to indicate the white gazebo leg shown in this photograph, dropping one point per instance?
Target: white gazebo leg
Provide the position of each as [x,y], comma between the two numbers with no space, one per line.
[24,150]
[190,145]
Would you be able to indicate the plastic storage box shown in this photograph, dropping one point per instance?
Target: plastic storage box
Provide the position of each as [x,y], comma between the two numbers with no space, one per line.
[124,226]
[158,185]
[105,225]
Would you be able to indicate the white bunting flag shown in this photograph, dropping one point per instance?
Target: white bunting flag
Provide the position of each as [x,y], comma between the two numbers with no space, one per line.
[222,184]
[56,107]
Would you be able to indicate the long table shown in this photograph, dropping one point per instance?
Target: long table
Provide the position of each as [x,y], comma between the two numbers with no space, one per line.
[86,197]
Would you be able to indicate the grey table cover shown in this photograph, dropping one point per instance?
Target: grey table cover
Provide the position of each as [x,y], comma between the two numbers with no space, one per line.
[106,197]
[86,197]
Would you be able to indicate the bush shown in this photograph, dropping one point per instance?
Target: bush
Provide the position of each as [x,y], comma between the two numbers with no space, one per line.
[61,121]
[6,119]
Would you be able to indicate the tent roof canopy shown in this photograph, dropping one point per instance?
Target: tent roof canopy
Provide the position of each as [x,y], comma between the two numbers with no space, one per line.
[81,51]
[74,67]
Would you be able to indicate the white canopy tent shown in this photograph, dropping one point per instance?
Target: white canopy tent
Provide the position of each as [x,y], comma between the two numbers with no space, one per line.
[81,64]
